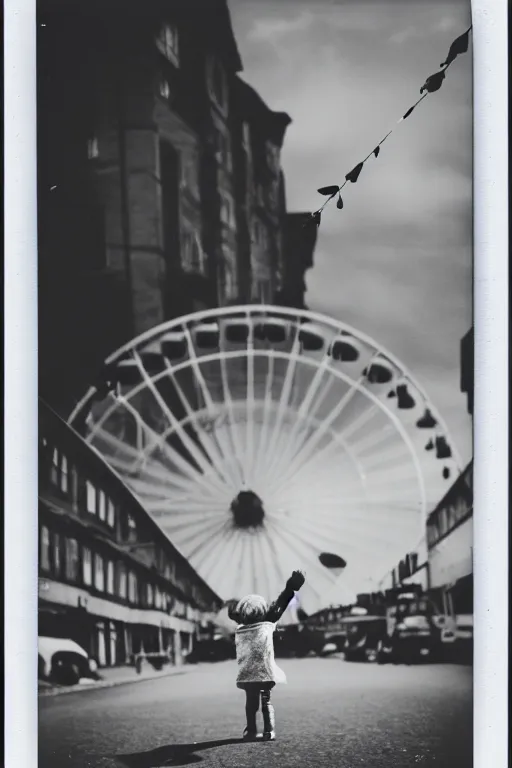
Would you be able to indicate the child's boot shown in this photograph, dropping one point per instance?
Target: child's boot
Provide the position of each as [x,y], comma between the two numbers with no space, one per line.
[269,721]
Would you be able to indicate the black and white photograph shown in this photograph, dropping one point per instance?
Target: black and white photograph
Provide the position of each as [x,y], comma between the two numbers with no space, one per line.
[255,388]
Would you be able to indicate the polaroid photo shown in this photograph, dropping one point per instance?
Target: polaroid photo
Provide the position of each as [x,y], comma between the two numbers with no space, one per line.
[256,302]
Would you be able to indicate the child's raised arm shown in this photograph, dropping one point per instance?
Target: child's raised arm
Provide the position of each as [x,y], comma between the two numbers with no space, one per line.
[279,606]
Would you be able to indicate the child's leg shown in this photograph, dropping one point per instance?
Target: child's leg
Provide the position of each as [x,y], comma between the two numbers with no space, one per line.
[269,721]
[252,704]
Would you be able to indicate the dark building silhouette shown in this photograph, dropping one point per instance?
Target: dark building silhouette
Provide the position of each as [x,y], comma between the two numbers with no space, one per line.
[160,184]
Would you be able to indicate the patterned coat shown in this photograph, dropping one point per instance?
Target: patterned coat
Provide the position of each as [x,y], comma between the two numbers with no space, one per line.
[255,654]
[255,644]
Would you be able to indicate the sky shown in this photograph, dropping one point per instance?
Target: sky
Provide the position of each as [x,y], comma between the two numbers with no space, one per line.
[396,262]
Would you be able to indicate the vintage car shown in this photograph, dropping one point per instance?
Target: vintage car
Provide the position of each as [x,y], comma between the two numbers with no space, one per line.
[64,662]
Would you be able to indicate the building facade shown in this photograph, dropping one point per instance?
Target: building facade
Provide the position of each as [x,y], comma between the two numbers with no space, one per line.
[109,579]
[160,184]
[450,546]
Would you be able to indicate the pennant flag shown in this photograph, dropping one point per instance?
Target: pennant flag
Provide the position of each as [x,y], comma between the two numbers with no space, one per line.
[354,173]
[329,190]
[433,83]
[460,45]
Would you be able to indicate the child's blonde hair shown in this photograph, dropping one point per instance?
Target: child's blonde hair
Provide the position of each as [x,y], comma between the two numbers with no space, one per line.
[251,608]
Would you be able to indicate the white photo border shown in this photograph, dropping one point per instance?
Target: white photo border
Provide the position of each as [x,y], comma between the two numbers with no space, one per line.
[490,26]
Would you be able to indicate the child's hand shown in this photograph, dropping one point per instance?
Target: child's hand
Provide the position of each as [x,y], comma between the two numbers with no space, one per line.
[296,580]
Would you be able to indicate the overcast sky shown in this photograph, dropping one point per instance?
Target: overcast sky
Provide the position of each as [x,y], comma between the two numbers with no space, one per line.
[397,261]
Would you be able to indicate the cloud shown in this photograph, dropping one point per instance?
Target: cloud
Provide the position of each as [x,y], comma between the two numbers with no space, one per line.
[397,261]
[273,29]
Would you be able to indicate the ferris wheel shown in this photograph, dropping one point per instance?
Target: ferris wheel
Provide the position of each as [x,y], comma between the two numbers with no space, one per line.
[264,439]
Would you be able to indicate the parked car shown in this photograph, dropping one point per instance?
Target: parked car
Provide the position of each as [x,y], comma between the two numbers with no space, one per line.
[363,634]
[64,662]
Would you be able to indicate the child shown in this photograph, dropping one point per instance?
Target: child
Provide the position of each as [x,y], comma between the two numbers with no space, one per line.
[254,639]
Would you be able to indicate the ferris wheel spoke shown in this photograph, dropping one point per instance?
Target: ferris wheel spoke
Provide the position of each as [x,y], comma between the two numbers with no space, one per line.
[393,461]
[190,444]
[302,426]
[357,543]
[205,544]
[274,557]
[309,447]
[169,452]
[373,442]
[214,556]
[359,530]
[200,534]
[268,411]
[250,407]
[213,450]
[169,478]
[307,402]
[236,447]
[189,511]
[284,400]
[303,549]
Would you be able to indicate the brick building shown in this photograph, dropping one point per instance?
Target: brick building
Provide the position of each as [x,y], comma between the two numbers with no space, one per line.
[109,579]
[160,183]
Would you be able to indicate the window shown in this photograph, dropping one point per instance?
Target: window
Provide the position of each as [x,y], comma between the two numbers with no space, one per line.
[224,155]
[164,88]
[272,152]
[149,594]
[59,471]
[91,498]
[99,573]
[111,514]
[54,475]
[158,598]
[45,549]
[87,566]
[72,559]
[132,588]
[57,564]
[64,474]
[227,209]
[246,133]
[110,577]
[192,253]
[102,506]
[92,148]
[168,43]
[217,85]
[129,527]
[122,581]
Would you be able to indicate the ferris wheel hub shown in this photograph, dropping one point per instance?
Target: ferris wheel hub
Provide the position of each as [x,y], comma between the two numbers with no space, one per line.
[248,511]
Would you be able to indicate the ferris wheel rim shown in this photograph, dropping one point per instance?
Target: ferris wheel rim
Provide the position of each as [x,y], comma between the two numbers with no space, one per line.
[274,310]
[161,485]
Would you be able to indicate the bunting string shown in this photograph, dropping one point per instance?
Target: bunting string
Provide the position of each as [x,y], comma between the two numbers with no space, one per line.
[432,84]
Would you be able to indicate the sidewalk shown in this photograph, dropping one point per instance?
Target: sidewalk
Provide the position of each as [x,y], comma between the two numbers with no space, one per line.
[116,676]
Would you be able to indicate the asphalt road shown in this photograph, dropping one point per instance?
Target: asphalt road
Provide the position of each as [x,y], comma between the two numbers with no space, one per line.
[331,713]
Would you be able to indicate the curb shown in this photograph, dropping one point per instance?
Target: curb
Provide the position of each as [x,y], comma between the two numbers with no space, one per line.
[42,694]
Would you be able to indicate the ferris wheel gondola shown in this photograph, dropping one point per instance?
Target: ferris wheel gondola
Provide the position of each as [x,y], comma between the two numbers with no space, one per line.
[261,437]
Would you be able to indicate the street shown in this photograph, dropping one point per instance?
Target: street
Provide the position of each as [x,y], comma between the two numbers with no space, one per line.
[331,713]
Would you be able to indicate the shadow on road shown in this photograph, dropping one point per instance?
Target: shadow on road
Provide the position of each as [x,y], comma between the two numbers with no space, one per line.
[174,754]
